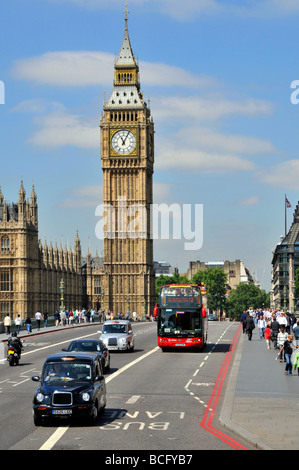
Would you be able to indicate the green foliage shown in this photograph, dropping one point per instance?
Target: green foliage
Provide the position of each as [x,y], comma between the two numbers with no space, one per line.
[245,296]
[215,281]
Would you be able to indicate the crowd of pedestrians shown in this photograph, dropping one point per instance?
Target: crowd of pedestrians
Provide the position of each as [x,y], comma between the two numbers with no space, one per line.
[63,318]
[280,330]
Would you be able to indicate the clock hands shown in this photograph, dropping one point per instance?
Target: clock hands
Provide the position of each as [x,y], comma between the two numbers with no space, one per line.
[124,140]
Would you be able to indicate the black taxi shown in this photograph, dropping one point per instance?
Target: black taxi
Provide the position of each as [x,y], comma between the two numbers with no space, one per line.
[72,386]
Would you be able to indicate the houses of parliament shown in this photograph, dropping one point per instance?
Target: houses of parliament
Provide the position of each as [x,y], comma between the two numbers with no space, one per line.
[123,281]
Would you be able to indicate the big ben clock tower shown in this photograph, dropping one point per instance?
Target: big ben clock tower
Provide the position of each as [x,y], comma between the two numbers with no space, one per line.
[127,154]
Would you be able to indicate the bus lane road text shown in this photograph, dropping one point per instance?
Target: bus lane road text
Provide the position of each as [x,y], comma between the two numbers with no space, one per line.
[138,420]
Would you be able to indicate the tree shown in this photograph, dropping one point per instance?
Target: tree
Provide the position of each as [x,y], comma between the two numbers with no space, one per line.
[215,281]
[246,296]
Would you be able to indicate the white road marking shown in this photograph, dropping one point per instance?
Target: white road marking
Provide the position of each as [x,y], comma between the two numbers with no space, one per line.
[133,399]
[50,443]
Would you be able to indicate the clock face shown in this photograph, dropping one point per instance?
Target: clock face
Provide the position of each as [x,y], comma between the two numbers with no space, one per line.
[123,142]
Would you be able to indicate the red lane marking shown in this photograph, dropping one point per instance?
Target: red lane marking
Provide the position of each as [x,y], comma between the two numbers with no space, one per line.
[206,422]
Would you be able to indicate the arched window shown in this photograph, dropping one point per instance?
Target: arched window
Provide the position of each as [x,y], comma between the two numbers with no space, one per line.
[4,245]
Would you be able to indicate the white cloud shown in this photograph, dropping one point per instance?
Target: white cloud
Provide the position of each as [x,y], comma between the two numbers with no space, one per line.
[249,201]
[59,129]
[85,196]
[67,68]
[206,150]
[284,175]
[199,108]
[211,140]
[37,106]
[86,68]
[174,154]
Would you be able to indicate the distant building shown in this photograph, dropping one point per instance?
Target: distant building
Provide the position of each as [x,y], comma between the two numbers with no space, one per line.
[285,261]
[235,270]
[165,268]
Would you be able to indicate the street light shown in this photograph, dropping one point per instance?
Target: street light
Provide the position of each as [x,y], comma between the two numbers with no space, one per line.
[61,295]
[284,298]
[128,304]
[102,302]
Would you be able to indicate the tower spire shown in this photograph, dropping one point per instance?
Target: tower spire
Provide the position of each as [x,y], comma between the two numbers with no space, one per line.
[126,11]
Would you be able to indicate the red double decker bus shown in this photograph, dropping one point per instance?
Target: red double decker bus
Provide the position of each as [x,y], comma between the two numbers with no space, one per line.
[181,315]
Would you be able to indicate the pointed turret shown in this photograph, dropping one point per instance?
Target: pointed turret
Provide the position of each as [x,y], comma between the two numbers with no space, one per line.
[1,196]
[33,207]
[22,212]
[126,93]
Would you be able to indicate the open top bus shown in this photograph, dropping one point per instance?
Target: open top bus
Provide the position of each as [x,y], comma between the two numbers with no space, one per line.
[181,314]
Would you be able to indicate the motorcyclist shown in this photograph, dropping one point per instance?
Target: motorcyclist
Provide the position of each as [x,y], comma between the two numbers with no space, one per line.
[15,342]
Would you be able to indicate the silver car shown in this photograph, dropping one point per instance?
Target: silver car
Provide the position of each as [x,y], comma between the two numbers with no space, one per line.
[118,335]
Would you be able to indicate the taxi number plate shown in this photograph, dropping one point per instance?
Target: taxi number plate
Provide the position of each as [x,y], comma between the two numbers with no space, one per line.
[61,412]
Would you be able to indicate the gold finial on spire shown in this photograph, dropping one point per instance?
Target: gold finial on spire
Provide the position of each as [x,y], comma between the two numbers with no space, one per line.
[126,11]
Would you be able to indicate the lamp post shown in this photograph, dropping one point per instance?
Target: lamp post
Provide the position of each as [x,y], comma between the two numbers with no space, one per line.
[128,305]
[61,295]
[102,297]
[284,298]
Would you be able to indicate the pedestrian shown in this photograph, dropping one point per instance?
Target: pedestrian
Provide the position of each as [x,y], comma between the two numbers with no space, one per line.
[18,323]
[296,363]
[296,333]
[274,325]
[45,319]
[243,320]
[249,326]
[57,318]
[38,317]
[92,314]
[293,321]
[282,320]
[71,317]
[288,350]
[281,338]
[268,336]
[7,324]
[62,317]
[28,324]
[261,324]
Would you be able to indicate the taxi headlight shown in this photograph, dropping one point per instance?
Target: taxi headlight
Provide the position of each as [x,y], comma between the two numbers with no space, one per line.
[39,397]
[85,396]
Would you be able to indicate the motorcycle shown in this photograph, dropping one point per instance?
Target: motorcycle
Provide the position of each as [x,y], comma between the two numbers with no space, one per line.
[13,356]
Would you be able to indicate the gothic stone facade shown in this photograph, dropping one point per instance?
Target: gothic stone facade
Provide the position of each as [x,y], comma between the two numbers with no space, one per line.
[127,153]
[30,273]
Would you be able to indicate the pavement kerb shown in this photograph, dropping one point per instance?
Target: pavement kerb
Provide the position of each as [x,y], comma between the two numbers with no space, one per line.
[228,403]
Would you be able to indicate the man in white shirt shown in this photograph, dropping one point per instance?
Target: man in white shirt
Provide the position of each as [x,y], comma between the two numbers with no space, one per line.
[38,317]
[282,320]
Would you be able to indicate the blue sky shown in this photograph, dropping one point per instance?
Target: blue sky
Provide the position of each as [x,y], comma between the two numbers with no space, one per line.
[218,75]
